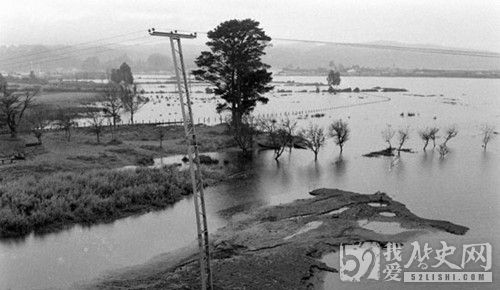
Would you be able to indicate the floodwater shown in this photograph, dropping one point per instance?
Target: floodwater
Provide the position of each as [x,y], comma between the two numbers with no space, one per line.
[462,188]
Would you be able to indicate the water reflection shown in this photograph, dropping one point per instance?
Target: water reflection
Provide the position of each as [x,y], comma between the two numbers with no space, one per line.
[427,158]
[339,166]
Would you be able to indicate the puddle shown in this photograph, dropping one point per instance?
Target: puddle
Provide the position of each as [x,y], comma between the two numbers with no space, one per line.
[385,228]
[337,211]
[387,214]
[308,227]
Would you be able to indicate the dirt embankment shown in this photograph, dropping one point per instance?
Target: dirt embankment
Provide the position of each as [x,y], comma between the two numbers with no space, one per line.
[280,247]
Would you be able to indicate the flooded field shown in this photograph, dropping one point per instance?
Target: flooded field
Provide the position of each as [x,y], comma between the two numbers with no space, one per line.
[461,188]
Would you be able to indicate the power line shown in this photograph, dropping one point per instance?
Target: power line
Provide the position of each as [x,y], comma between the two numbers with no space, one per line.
[73,51]
[75,47]
[72,46]
[89,53]
[394,47]
[20,59]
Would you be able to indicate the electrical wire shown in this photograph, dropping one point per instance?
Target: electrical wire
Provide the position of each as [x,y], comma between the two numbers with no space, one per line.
[70,52]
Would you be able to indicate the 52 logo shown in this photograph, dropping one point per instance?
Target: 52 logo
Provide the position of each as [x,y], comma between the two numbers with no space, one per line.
[360,261]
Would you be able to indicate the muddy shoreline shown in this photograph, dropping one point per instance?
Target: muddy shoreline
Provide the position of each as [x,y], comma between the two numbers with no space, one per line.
[280,247]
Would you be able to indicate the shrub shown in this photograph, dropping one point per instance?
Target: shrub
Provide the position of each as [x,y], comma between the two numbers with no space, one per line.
[65,198]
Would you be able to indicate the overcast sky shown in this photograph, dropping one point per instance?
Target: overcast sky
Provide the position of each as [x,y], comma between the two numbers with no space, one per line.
[457,23]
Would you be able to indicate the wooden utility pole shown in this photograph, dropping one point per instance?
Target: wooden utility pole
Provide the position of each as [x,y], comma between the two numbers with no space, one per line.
[193,153]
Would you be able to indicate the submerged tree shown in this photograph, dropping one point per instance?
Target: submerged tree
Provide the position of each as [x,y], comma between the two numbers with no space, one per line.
[387,134]
[488,133]
[277,135]
[450,133]
[289,127]
[434,136]
[443,150]
[340,133]
[403,136]
[314,137]
[234,66]
[428,134]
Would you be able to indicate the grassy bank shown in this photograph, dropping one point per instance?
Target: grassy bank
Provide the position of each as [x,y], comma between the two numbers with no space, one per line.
[65,182]
[136,144]
[60,199]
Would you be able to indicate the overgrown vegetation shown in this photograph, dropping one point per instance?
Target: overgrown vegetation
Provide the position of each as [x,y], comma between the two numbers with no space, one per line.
[61,199]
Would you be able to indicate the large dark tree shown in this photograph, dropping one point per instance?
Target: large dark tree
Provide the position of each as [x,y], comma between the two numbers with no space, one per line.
[123,74]
[333,79]
[234,66]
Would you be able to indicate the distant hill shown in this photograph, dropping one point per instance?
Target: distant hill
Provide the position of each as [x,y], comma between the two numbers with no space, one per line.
[313,56]
[281,54]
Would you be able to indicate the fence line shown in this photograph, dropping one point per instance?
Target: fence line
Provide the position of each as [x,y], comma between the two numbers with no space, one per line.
[219,120]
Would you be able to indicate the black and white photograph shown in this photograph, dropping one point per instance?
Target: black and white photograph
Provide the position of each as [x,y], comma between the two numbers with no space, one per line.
[259,144]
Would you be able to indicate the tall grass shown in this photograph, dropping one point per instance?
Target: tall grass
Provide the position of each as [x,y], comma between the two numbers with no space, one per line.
[60,199]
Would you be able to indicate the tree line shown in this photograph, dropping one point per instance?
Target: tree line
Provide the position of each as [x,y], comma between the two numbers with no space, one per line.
[282,134]
[19,109]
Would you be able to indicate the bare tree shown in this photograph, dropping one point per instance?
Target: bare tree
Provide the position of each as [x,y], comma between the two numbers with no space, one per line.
[289,127]
[13,105]
[340,133]
[65,120]
[425,135]
[433,133]
[112,102]
[488,133]
[277,135]
[315,138]
[38,119]
[243,132]
[443,150]
[450,133]
[132,101]
[403,136]
[428,134]
[96,118]
[387,134]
